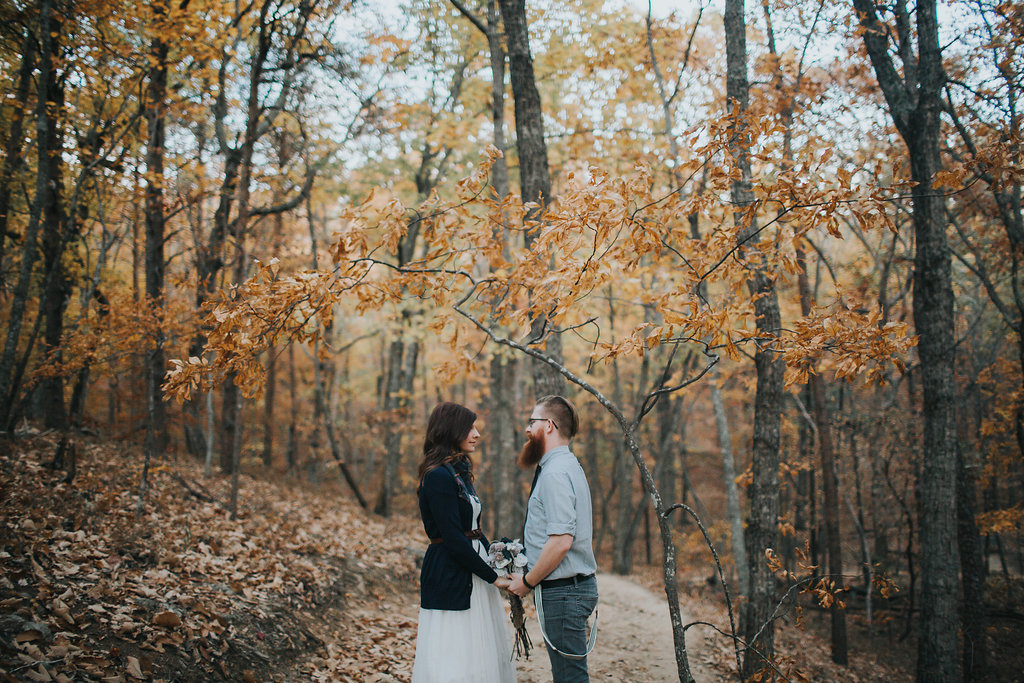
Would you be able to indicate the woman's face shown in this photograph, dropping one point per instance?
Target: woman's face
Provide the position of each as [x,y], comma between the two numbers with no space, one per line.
[468,444]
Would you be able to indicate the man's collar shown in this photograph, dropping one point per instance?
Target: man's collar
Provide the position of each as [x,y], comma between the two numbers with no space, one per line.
[554,453]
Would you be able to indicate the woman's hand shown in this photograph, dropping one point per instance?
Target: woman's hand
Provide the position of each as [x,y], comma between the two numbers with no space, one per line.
[502,582]
[517,586]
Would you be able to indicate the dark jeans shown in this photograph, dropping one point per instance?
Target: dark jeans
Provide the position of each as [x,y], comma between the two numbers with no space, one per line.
[566,609]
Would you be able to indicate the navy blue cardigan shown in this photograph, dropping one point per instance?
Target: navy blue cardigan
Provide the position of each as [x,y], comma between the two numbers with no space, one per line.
[446,576]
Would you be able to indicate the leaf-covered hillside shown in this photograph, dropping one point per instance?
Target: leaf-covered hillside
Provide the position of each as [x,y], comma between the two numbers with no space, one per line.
[289,590]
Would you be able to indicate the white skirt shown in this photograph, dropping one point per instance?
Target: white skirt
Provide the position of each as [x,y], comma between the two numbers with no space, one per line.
[466,646]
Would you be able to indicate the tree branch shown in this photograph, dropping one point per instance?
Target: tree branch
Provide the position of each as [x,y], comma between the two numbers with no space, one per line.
[472,17]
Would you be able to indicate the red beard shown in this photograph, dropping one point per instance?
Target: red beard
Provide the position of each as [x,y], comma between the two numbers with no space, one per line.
[533,451]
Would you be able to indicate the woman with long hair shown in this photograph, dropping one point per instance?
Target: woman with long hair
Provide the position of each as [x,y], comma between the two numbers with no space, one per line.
[463,633]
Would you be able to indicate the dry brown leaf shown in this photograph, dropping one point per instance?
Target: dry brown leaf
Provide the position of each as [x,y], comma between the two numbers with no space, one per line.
[167,620]
[174,639]
[58,607]
[57,652]
[40,674]
[134,669]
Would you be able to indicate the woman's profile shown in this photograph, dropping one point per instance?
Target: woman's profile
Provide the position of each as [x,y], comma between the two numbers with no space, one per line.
[463,632]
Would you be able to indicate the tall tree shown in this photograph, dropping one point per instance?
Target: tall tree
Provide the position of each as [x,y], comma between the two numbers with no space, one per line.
[155,113]
[756,615]
[830,481]
[405,347]
[914,102]
[277,54]
[506,514]
[46,204]
[788,97]
[534,176]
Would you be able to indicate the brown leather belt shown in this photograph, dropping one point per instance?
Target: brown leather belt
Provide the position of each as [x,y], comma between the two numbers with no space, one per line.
[474,535]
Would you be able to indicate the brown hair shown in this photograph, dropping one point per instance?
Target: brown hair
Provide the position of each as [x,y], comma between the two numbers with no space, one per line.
[563,413]
[447,427]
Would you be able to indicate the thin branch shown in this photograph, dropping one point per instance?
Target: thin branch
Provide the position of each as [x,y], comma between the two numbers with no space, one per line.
[472,17]
[721,573]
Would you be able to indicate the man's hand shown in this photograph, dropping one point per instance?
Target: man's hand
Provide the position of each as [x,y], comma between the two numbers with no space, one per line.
[517,586]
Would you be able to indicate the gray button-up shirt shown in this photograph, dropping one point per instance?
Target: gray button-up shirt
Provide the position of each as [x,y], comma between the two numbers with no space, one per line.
[561,504]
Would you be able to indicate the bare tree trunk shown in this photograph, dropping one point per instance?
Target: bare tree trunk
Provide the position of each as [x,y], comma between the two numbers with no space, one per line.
[507,513]
[293,412]
[401,375]
[975,649]
[56,283]
[236,452]
[624,531]
[208,440]
[56,293]
[270,391]
[391,434]
[154,249]
[229,424]
[879,517]
[668,411]
[915,105]
[499,172]
[736,535]
[156,424]
[196,435]
[830,482]
[49,101]
[762,522]
[534,177]
[268,407]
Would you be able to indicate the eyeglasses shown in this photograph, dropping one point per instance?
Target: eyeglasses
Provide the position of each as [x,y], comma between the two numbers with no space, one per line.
[529,423]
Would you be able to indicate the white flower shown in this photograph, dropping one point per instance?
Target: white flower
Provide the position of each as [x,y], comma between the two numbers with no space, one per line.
[520,561]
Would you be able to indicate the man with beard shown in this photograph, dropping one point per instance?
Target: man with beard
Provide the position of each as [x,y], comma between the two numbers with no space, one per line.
[559,539]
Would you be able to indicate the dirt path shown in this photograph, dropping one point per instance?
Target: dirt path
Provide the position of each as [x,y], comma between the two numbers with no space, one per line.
[634,638]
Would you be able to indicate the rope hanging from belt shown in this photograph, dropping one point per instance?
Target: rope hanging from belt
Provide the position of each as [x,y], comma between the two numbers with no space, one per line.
[538,600]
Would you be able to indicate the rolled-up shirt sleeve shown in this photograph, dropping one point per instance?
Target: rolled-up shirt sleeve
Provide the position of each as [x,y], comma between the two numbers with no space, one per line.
[559,498]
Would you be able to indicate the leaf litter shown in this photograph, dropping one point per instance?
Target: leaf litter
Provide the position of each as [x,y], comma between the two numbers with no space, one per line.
[303,585]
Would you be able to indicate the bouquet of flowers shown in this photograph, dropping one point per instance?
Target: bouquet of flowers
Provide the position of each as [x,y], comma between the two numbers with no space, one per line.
[508,556]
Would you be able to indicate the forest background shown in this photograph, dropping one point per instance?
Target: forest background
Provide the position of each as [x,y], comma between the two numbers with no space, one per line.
[771,251]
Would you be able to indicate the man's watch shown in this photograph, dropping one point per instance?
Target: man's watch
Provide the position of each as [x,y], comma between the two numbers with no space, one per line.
[527,583]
